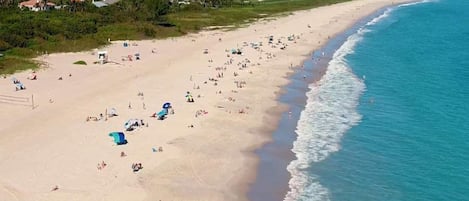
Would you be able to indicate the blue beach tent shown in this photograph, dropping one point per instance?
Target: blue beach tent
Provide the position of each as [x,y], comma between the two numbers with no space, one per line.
[162,114]
[119,138]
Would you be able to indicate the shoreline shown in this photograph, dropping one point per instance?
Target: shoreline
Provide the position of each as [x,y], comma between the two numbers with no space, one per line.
[293,97]
[60,149]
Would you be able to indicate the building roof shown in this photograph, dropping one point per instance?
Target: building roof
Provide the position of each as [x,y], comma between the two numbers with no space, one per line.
[109,2]
[99,4]
[32,3]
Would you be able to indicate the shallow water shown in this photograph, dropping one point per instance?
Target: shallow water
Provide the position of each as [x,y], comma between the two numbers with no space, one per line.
[389,119]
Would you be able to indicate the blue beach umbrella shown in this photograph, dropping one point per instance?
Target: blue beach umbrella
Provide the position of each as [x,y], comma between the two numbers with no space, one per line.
[166,105]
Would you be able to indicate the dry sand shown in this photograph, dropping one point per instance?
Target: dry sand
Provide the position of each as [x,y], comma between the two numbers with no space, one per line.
[53,146]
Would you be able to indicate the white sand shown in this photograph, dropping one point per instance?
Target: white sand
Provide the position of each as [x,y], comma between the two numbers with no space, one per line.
[54,145]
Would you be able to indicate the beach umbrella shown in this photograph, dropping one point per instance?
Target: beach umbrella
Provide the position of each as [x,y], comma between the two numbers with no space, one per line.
[166,105]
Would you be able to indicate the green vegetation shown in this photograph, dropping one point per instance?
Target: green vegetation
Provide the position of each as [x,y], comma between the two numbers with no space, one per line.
[81,26]
[80,62]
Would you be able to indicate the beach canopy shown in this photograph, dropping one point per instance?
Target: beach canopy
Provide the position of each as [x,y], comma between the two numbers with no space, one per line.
[162,114]
[166,105]
[112,112]
[119,138]
[129,124]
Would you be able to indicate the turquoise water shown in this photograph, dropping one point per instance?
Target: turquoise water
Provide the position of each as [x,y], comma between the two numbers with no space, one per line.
[390,119]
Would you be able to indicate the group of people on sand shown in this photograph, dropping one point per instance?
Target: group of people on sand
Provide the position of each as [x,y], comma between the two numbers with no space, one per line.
[136,167]
[101,165]
[93,118]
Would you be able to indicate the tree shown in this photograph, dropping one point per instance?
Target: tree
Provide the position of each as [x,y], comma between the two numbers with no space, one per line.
[157,8]
[8,3]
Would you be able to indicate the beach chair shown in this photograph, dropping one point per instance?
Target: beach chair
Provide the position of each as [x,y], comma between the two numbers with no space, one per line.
[162,114]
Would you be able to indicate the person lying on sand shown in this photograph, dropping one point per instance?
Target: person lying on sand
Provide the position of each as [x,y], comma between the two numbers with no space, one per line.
[32,77]
[136,167]
[90,118]
[55,188]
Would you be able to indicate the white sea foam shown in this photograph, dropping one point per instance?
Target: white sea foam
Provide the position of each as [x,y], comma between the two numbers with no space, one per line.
[379,18]
[329,112]
[417,2]
[388,11]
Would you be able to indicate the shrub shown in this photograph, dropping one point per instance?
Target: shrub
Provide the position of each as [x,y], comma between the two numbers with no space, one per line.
[80,62]
[4,45]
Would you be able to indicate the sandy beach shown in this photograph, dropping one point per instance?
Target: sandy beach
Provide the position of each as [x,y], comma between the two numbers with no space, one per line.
[202,150]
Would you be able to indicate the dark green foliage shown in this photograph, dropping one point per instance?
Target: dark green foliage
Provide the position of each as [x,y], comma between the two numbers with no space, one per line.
[80,62]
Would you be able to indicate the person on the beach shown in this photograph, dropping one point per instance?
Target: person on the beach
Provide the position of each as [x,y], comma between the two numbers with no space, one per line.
[56,187]
[189,97]
[136,167]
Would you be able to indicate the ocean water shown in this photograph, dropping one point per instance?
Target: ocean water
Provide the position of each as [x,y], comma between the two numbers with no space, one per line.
[390,118]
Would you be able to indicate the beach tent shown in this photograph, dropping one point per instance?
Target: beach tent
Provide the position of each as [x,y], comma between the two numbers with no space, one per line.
[129,124]
[119,138]
[166,105]
[162,114]
[112,112]
[102,57]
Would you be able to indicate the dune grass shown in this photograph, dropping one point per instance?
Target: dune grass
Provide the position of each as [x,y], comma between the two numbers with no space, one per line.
[194,19]
[80,62]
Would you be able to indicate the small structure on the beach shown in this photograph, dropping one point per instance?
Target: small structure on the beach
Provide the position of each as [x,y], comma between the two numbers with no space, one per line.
[102,57]
[162,114]
[164,111]
[236,51]
[131,124]
[119,138]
